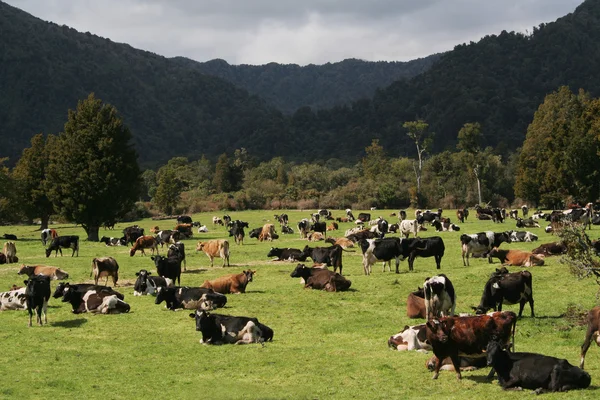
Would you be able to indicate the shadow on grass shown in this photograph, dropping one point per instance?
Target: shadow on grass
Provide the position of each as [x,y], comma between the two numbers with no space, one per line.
[480,379]
[255,291]
[194,271]
[71,323]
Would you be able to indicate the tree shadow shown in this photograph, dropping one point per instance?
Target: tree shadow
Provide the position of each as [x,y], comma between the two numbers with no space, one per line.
[194,271]
[71,323]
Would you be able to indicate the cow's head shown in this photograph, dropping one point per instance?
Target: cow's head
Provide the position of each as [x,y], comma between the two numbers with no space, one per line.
[165,294]
[249,274]
[436,331]
[68,292]
[301,271]
[60,288]
[535,260]
[200,246]
[48,251]
[273,252]
[25,270]
[494,350]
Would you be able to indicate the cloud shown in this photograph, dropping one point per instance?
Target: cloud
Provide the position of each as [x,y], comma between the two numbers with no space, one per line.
[310,31]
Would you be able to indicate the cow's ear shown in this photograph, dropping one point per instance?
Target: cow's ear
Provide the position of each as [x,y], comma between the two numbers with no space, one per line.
[137,274]
[254,272]
[26,282]
[192,315]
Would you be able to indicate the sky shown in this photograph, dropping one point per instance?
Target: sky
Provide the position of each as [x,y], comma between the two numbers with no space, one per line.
[297,31]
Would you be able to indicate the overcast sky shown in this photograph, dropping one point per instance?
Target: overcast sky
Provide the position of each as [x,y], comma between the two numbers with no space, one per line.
[297,31]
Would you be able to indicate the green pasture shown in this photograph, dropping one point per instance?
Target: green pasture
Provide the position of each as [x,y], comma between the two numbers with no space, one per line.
[326,345]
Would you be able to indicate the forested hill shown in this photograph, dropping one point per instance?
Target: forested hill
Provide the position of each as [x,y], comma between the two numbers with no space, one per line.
[289,86]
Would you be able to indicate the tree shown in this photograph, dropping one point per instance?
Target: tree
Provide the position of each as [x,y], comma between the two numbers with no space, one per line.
[581,256]
[93,176]
[168,192]
[8,200]
[469,138]
[30,177]
[417,131]
[373,164]
[222,177]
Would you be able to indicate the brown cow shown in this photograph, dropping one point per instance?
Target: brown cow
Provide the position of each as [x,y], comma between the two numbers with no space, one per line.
[415,304]
[215,248]
[105,266]
[184,229]
[593,332]
[52,272]
[155,230]
[517,257]
[333,227]
[315,236]
[267,232]
[321,278]
[344,242]
[144,242]
[550,249]
[10,251]
[234,283]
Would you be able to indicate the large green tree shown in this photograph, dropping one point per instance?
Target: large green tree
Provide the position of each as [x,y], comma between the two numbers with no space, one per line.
[560,155]
[30,177]
[93,174]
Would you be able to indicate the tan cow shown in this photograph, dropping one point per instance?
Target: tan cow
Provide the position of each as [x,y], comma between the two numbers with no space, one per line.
[517,257]
[267,233]
[155,230]
[415,304]
[53,272]
[344,242]
[10,251]
[234,283]
[144,242]
[215,248]
[105,266]
[315,237]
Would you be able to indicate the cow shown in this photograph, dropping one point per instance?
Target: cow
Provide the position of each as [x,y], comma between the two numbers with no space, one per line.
[381,227]
[268,230]
[286,230]
[132,233]
[320,227]
[255,233]
[113,241]
[10,236]
[344,242]
[144,242]
[155,229]
[217,220]
[331,256]
[10,252]
[349,215]
[287,254]
[527,223]
[550,249]
[105,266]
[184,219]
[514,214]
[408,227]
[202,229]
[184,229]
[509,288]
[537,215]
[364,217]
[93,301]
[219,329]
[148,285]
[177,249]
[592,333]
[410,338]
[63,242]
[444,225]
[226,219]
[522,236]
[481,243]
[534,371]
[48,234]
[168,267]
[393,228]
[51,272]
[460,216]
[440,298]
[37,290]
[2,258]
[218,248]
[167,236]
[517,257]
[333,226]
[14,299]
[282,219]
[525,211]
[237,231]
[429,216]
[321,279]
[361,234]
[385,250]
[188,297]
[233,283]
[401,215]
[415,304]
[84,287]
[467,336]
[422,247]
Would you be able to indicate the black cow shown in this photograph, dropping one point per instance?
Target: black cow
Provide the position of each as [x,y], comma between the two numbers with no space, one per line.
[319,227]
[168,267]
[255,233]
[84,287]
[38,294]
[424,247]
[132,233]
[10,236]
[146,284]
[282,219]
[177,249]
[286,230]
[287,254]
[332,256]
[321,279]
[364,217]
[535,371]
[237,231]
[184,219]
[113,241]
[482,243]
[219,329]
[401,215]
[188,297]
[509,288]
[428,216]
[63,242]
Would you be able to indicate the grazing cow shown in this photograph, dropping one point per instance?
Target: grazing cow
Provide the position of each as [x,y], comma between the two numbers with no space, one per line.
[93,301]
[320,227]
[184,219]
[409,226]
[550,249]
[364,217]
[63,242]
[37,290]
[385,250]
[51,272]
[411,338]
[132,233]
[282,219]
[525,211]
[344,242]
[517,257]
[10,236]
[509,288]
[468,336]
[10,252]
[268,230]
[177,249]
[84,287]
[48,234]
[321,279]
[218,248]
[113,241]
[535,371]
[415,304]
[527,223]
[287,254]
[144,242]
[482,243]
[105,266]
[221,329]
[188,297]
[13,300]
[217,220]
[522,236]
[428,216]
[593,333]
[303,228]
[440,297]
[333,227]
[146,284]
[422,247]
[233,283]
[168,267]
[332,256]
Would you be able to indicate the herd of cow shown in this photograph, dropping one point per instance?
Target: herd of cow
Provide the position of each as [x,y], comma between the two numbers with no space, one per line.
[456,341]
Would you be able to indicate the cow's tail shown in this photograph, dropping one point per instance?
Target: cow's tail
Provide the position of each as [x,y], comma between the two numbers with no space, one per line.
[514,328]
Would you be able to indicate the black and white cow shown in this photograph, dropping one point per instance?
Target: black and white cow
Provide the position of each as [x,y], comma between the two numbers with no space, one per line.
[93,301]
[167,236]
[237,231]
[113,241]
[63,242]
[287,254]
[411,338]
[428,216]
[482,243]
[13,300]
[349,215]
[282,219]
[440,298]
[304,228]
[522,236]
[84,287]
[148,285]
[188,297]
[177,250]
[286,230]
[222,329]
[509,288]
[384,250]
[527,223]
[37,290]
[382,227]
[408,227]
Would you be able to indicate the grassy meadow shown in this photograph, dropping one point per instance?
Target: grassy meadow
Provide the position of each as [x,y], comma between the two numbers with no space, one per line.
[326,345]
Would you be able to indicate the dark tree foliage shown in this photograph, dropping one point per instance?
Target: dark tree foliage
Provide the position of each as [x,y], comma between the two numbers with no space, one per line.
[93,176]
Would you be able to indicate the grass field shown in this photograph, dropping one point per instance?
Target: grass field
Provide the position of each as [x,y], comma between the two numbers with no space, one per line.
[326,345]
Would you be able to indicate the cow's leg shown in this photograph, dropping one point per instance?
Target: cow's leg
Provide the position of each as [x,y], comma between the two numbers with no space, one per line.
[30,315]
[411,260]
[38,311]
[589,336]
[45,310]
[397,265]
[438,261]
[463,258]
[437,366]
[531,305]
[456,363]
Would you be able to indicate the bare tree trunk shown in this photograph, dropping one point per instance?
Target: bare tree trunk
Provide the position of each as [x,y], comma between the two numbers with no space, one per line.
[476,172]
